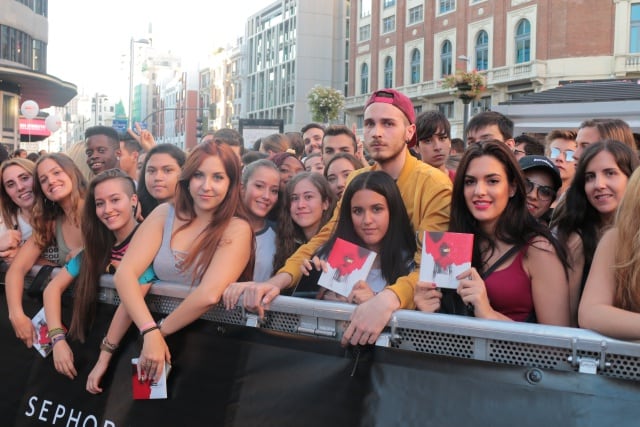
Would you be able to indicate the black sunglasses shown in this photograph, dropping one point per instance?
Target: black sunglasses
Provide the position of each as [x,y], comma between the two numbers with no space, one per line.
[544,191]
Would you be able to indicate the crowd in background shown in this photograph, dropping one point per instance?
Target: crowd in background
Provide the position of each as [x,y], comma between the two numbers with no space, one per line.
[556,234]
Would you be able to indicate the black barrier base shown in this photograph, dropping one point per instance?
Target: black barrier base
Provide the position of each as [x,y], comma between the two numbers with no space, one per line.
[237,376]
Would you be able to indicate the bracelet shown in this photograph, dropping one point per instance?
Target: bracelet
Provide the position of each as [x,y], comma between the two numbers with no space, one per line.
[56,339]
[55,331]
[153,328]
[146,326]
[107,346]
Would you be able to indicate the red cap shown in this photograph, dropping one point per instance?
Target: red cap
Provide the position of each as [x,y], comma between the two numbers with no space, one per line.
[398,100]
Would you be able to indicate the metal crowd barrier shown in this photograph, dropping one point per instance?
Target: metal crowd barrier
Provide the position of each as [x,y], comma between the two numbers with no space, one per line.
[512,343]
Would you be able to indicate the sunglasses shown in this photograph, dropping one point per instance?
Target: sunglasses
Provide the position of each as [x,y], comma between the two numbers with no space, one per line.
[544,192]
[568,154]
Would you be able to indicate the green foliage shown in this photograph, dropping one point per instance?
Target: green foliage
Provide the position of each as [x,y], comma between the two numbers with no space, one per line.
[325,103]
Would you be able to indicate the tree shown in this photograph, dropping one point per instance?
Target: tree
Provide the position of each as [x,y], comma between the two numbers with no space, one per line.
[325,103]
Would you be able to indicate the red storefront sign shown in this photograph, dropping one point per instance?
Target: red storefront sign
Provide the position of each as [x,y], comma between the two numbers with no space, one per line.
[34,127]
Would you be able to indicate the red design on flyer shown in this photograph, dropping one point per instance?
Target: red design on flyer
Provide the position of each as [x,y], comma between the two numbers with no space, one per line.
[43,343]
[444,256]
[144,390]
[348,263]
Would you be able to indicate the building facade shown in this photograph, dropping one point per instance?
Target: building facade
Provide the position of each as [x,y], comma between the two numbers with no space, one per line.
[24,34]
[523,46]
[291,46]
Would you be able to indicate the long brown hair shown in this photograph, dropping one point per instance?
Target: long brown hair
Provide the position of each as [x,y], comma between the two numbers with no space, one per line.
[627,251]
[8,208]
[204,248]
[98,241]
[290,235]
[45,211]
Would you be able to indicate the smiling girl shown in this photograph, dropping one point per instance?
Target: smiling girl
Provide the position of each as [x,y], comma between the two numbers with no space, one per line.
[108,223]
[308,204]
[260,188]
[59,197]
[590,205]
[16,202]
[529,283]
[203,242]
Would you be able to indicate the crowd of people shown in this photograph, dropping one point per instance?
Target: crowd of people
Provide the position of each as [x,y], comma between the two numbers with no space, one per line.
[556,234]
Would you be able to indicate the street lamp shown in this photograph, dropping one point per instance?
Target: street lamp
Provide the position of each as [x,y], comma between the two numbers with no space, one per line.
[131,68]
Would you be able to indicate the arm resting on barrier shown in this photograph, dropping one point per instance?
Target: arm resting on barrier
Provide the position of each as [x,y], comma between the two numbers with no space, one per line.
[228,262]
[14,279]
[140,254]
[597,311]
[117,329]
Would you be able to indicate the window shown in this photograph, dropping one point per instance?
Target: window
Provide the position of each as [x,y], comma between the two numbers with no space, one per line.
[388,3]
[416,14]
[417,109]
[446,6]
[446,108]
[482,51]
[388,72]
[364,79]
[415,66]
[389,24]
[446,59]
[9,111]
[364,33]
[365,8]
[482,104]
[634,33]
[523,41]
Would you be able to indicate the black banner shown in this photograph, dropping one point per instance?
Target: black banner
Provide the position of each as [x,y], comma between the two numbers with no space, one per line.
[237,376]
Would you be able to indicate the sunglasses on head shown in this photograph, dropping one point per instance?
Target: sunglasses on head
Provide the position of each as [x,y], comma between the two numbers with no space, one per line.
[568,154]
[545,192]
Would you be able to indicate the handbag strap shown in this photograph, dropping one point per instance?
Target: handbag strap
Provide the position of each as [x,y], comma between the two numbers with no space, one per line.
[505,256]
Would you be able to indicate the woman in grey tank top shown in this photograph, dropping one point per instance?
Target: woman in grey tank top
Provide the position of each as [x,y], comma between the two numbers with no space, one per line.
[202,240]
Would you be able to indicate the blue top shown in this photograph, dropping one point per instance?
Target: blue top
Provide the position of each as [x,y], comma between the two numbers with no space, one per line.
[148,276]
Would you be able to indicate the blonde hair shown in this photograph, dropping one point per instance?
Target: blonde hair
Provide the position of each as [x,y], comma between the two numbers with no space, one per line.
[627,251]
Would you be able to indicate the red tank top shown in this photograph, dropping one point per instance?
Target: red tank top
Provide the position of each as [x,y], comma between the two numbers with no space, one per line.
[509,290]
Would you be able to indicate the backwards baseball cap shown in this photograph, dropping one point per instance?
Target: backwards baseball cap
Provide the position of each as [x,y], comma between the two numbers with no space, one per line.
[398,100]
[543,163]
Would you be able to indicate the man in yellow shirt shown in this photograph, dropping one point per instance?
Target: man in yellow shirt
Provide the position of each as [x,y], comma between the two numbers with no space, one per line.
[389,131]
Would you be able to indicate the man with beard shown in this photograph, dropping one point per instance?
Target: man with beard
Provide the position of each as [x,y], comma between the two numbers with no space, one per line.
[389,131]
[102,148]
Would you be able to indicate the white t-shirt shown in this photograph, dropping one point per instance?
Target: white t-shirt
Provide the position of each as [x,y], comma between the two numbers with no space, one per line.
[265,250]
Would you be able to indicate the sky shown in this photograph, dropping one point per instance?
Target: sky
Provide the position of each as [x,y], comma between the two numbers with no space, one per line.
[89,40]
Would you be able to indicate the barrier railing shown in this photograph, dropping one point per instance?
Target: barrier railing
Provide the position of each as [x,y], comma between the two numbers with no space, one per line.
[513,343]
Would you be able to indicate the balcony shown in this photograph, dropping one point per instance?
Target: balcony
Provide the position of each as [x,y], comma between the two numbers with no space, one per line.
[627,64]
[511,74]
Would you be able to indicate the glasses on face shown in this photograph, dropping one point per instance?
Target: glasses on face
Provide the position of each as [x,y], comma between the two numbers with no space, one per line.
[556,152]
[519,152]
[544,192]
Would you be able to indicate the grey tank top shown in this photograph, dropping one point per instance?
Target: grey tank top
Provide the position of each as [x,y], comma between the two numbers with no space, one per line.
[167,262]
